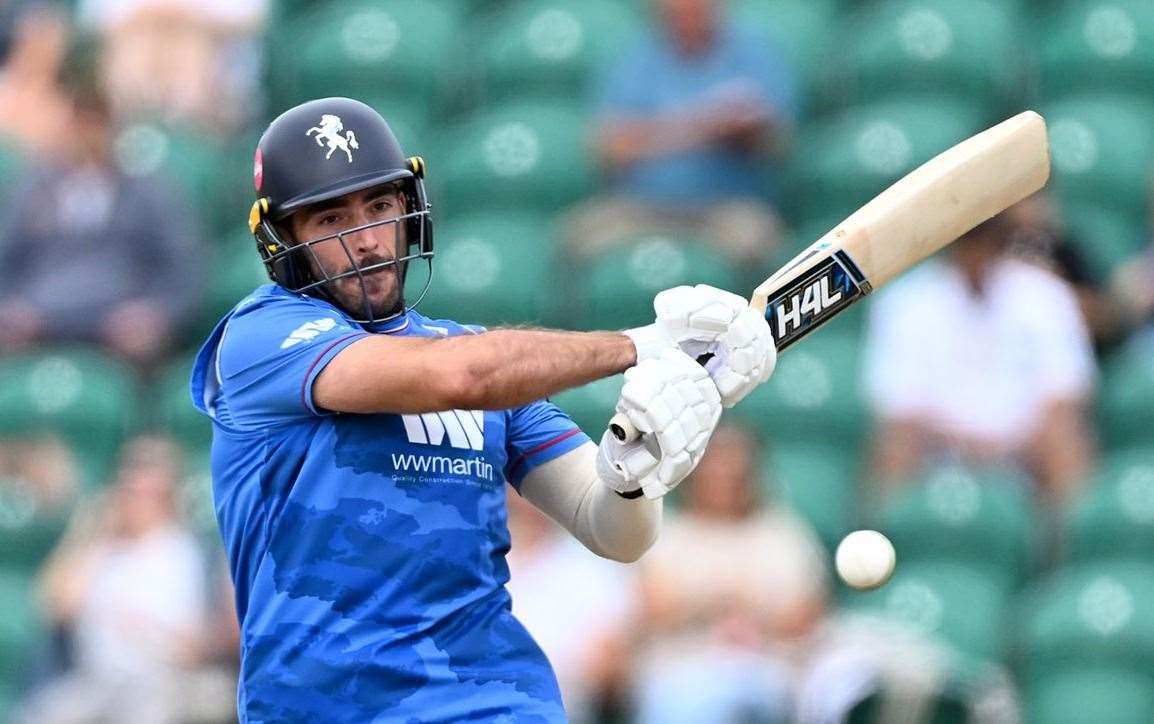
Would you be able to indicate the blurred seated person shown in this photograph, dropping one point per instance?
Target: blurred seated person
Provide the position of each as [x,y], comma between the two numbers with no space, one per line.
[90,254]
[128,584]
[574,603]
[729,594]
[984,358]
[183,61]
[1133,284]
[690,119]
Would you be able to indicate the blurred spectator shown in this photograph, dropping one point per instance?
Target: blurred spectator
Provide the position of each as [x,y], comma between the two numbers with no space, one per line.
[983,358]
[128,583]
[729,592]
[42,469]
[690,120]
[179,60]
[1038,236]
[575,605]
[33,41]
[1133,286]
[91,254]
[39,485]
[868,669]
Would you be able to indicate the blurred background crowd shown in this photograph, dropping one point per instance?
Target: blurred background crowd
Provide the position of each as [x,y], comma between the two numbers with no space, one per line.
[992,412]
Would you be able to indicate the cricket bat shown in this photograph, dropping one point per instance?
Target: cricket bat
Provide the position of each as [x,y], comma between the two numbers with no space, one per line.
[919,214]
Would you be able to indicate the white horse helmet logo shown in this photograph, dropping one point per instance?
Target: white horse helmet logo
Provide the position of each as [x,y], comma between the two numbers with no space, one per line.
[329,130]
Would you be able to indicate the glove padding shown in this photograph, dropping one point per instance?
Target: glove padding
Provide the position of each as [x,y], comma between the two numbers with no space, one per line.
[706,320]
[671,400]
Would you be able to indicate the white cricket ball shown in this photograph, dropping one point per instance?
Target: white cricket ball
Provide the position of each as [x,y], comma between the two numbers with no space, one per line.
[865,559]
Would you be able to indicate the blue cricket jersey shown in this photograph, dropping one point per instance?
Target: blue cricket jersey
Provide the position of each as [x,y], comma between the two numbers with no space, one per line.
[368,551]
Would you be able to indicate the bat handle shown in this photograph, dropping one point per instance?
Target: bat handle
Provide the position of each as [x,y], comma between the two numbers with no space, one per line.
[623,429]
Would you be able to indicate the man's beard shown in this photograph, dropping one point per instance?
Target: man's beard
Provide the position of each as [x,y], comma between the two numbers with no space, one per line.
[383,287]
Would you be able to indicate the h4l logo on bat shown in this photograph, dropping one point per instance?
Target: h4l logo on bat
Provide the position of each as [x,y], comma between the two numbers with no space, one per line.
[329,131]
[807,304]
[814,297]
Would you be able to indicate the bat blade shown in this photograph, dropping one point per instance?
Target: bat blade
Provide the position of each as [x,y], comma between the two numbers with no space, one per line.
[919,214]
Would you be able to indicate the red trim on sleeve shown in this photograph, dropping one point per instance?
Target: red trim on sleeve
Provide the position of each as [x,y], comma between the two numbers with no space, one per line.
[309,374]
[543,446]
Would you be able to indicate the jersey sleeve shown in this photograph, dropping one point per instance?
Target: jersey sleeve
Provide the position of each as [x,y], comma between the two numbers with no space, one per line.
[270,355]
[537,433]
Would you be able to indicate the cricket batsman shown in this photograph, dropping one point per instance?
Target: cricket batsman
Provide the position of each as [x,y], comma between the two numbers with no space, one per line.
[360,450]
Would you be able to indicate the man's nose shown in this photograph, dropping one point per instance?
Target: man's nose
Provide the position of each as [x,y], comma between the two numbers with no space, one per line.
[373,240]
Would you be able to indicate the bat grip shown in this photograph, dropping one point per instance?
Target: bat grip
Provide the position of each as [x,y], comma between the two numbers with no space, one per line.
[624,430]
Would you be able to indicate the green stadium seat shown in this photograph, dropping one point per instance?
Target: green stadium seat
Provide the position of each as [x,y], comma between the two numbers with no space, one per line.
[801,30]
[11,165]
[952,603]
[983,519]
[1091,695]
[529,156]
[1101,148]
[617,286]
[236,271]
[409,121]
[28,531]
[80,394]
[818,482]
[1104,236]
[814,396]
[21,626]
[1125,404]
[493,269]
[591,405]
[229,190]
[175,412]
[191,163]
[366,47]
[551,48]
[1113,519]
[961,48]
[1090,629]
[842,162]
[1098,45]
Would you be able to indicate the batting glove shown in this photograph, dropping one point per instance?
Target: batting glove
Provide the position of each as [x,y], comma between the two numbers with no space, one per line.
[711,324]
[671,400]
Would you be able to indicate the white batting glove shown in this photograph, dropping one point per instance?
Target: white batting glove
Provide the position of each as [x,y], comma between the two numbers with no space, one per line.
[706,320]
[671,400]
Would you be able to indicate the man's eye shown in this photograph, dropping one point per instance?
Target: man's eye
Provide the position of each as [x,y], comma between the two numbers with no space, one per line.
[328,219]
[381,206]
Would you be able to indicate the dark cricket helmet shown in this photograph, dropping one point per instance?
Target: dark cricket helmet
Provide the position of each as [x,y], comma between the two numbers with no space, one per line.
[318,151]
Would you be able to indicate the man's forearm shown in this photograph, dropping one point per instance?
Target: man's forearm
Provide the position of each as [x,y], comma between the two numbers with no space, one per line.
[491,371]
[510,367]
